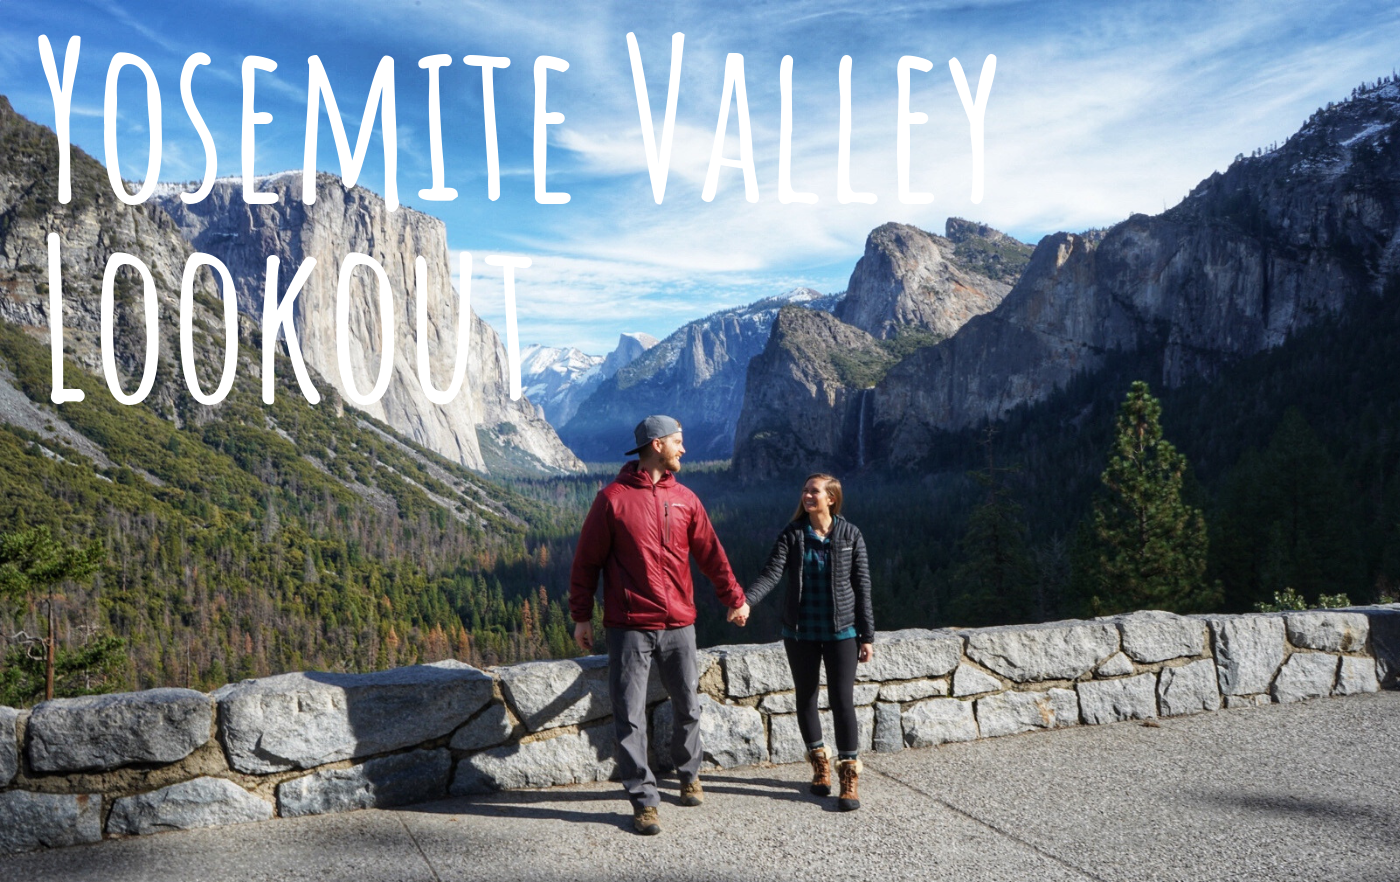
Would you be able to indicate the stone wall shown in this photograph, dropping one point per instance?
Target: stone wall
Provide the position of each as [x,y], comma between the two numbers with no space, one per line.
[75,770]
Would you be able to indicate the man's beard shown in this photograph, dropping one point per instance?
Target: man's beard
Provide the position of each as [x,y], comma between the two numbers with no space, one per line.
[673,465]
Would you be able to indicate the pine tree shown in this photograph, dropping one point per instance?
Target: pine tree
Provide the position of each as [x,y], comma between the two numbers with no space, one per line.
[1287,522]
[32,562]
[993,583]
[1144,547]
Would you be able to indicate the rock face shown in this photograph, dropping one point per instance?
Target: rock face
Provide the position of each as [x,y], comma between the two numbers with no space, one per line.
[971,681]
[1009,713]
[1118,665]
[913,690]
[889,729]
[1248,652]
[1052,651]
[91,227]
[480,428]
[296,721]
[912,653]
[630,347]
[400,779]
[1305,675]
[1327,630]
[30,821]
[697,375]
[1155,636]
[1249,257]
[939,721]
[564,759]
[100,732]
[9,745]
[753,670]
[1128,698]
[1385,641]
[548,694]
[805,402]
[1188,689]
[559,379]
[1356,675]
[203,802]
[911,278]
[491,727]
[808,395]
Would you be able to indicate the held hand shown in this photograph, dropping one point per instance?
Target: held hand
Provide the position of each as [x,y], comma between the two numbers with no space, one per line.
[740,616]
[583,635]
[865,653]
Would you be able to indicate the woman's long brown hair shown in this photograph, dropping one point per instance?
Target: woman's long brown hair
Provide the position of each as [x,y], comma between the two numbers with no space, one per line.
[833,489]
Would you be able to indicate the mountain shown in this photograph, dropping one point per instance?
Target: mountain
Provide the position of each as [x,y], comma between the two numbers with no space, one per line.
[910,278]
[239,539]
[550,375]
[629,348]
[808,397]
[558,379]
[480,428]
[805,392]
[92,226]
[696,374]
[1253,255]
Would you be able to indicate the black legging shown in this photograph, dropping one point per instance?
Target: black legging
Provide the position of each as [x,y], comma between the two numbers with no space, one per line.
[805,658]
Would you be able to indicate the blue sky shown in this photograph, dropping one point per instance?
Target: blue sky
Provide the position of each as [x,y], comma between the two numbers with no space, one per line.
[1096,111]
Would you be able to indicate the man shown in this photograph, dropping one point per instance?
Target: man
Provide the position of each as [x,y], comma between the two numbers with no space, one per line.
[640,534]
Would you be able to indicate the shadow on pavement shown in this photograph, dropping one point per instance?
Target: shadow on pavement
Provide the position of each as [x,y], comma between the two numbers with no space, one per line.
[576,805]
[1291,805]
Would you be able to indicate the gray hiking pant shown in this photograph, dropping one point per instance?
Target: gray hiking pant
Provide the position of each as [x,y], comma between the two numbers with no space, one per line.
[630,657]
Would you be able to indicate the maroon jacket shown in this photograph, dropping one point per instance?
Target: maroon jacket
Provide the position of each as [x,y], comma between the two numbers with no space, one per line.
[640,536]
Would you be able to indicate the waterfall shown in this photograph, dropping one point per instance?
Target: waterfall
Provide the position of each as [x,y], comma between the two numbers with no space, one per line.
[860,429]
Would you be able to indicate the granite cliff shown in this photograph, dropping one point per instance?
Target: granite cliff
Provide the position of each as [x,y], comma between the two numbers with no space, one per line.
[808,396]
[697,374]
[805,392]
[481,428]
[909,278]
[91,227]
[1278,241]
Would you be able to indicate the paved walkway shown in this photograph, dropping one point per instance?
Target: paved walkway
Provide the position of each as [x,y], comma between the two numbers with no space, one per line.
[1299,792]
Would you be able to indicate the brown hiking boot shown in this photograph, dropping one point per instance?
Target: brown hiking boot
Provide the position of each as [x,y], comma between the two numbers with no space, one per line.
[647,821]
[820,758]
[692,793]
[849,773]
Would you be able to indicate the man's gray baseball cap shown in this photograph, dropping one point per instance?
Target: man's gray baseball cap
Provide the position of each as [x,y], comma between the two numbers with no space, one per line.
[651,428]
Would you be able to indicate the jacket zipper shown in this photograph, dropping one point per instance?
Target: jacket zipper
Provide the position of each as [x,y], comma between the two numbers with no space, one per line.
[831,558]
[665,543]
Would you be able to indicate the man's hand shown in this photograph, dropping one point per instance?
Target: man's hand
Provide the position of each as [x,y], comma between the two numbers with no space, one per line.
[583,635]
[740,616]
[865,653]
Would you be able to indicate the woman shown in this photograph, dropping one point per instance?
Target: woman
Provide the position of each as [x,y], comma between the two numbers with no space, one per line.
[827,620]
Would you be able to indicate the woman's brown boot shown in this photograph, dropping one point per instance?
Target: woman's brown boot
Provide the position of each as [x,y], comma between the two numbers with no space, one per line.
[849,773]
[820,758]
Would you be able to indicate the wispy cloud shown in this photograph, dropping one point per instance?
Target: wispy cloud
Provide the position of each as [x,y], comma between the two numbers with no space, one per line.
[1093,115]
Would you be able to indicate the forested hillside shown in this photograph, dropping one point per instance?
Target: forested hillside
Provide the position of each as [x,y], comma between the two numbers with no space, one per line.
[262,539]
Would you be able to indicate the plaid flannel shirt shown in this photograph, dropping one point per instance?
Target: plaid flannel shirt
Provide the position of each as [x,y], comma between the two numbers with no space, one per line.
[816,613]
